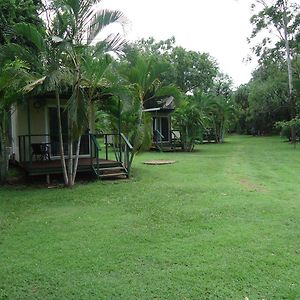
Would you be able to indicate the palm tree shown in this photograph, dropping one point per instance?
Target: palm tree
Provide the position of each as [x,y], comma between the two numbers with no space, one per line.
[76,24]
[191,120]
[67,58]
[142,77]
[220,113]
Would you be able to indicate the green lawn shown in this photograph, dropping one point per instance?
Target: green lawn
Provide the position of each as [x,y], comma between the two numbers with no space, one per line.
[223,222]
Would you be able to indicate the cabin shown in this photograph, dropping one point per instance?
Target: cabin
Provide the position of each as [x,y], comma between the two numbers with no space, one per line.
[164,137]
[36,146]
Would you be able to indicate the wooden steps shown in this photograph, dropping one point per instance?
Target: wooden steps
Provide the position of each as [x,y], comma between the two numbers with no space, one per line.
[167,147]
[116,171]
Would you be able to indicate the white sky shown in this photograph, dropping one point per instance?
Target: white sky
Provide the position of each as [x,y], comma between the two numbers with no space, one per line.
[219,27]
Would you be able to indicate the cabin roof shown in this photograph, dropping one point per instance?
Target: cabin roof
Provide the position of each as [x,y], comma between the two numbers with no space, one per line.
[166,104]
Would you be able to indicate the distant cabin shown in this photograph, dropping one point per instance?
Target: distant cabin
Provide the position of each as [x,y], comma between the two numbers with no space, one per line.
[164,137]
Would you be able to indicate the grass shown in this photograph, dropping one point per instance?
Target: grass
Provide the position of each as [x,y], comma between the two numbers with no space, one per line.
[221,223]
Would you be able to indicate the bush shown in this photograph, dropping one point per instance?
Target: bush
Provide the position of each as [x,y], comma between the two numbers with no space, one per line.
[286,126]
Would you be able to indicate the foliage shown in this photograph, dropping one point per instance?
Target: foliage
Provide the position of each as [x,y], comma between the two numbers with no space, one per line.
[192,73]
[268,26]
[13,76]
[285,128]
[264,100]
[190,119]
[72,26]
[281,17]
[13,12]
[188,70]
[14,50]
[220,112]
[241,99]
[192,70]
[142,75]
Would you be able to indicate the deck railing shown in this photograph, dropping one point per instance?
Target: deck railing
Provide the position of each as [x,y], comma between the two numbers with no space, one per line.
[173,142]
[175,138]
[112,146]
[26,151]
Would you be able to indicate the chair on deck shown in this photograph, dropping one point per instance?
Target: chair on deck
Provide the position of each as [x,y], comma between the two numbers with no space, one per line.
[41,151]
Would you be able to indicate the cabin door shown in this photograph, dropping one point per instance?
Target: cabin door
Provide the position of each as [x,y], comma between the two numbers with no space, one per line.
[54,131]
[161,128]
[54,134]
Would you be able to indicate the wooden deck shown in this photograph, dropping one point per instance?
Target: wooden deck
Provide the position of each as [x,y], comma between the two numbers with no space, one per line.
[54,166]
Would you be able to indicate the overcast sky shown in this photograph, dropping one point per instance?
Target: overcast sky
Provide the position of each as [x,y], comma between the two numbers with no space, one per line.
[219,27]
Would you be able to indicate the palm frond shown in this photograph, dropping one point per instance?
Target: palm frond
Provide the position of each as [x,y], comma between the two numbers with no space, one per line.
[12,51]
[31,34]
[102,19]
[114,43]
[31,86]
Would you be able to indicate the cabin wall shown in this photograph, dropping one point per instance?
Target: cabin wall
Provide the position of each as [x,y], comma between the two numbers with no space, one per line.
[20,125]
[39,124]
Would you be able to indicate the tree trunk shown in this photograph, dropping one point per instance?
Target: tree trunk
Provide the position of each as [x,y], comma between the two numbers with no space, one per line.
[70,154]
[290,72]
[70,163]
[3,160]
[3,147]
[61,142]
[216,129]
[76,161]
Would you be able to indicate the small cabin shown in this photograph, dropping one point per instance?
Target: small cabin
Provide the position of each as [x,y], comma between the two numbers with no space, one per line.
[164,137]
[36,145]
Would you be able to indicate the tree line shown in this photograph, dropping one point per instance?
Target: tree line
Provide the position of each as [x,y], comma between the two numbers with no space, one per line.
[269,103]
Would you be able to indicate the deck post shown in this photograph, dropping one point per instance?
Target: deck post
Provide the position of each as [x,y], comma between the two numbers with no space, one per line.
[48,179]
[106,149]
[170,131]
[29,129]
[90,148]
[119,128]
[20,154]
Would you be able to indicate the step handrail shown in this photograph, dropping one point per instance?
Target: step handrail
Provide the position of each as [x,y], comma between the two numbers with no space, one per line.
[126,141]
[159,133]
[158,142]
[128,154]
[122,148]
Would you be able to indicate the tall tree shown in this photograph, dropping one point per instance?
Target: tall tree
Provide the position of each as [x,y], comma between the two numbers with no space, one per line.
[71,28]
[143,76]
[281,18]
[76,24]
[190,71]
[265,99]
